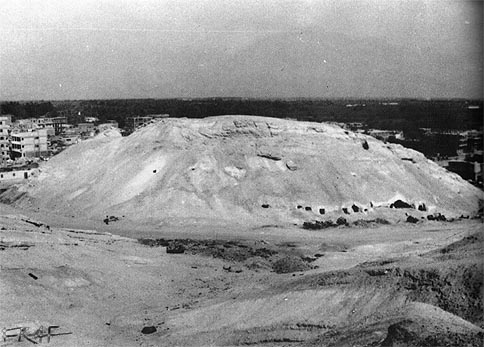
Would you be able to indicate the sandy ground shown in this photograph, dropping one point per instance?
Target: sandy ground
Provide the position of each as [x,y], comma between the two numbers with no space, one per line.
[97,282]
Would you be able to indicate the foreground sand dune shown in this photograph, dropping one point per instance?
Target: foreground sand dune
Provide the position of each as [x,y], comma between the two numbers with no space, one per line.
[417,285]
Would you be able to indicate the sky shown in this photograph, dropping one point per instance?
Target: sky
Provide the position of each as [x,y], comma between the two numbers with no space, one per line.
[110,49]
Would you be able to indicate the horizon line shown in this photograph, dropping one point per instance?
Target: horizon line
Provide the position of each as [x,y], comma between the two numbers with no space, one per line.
[481,99]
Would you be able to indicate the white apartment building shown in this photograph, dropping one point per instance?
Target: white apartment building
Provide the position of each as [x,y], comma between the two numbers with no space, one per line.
[33,124]
[5,127]
[29,144]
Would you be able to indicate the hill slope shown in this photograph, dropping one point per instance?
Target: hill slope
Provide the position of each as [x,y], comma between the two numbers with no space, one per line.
[243,169]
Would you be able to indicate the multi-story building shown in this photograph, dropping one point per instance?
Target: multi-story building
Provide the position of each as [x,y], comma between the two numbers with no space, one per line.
[91,119]
[133,123]
[29,144]
[5,127]
[86,129]
[55,122]
[470,142]
[69,138]
[34,123]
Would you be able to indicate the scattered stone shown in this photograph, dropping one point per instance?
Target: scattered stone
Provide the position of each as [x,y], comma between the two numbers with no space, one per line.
[175,248]
[265,206]
[110,219]
[291,165]
[148,330]
[400,204]
[235,269]
[422,207]
[270,156]
[411,219]
[437,217]
[341,221]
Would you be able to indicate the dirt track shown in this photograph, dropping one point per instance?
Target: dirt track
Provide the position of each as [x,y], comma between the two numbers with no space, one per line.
[357,282]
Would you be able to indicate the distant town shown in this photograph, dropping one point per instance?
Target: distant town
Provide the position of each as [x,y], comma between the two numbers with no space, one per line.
[462,155]
[447,132]
[26,142]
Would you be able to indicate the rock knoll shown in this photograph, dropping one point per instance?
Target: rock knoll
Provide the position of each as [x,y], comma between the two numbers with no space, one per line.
[243,169]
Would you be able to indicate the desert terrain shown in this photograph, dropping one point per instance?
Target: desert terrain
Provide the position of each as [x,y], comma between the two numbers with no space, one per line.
[241,230]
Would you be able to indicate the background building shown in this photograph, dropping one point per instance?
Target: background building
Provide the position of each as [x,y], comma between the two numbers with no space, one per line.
[5,127]
[133,123]
[29,144]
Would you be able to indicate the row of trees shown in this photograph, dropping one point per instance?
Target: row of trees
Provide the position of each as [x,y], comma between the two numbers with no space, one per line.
[408,115]
[27,109]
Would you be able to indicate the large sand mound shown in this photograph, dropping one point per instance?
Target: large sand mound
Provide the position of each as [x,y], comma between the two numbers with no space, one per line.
[241,169]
